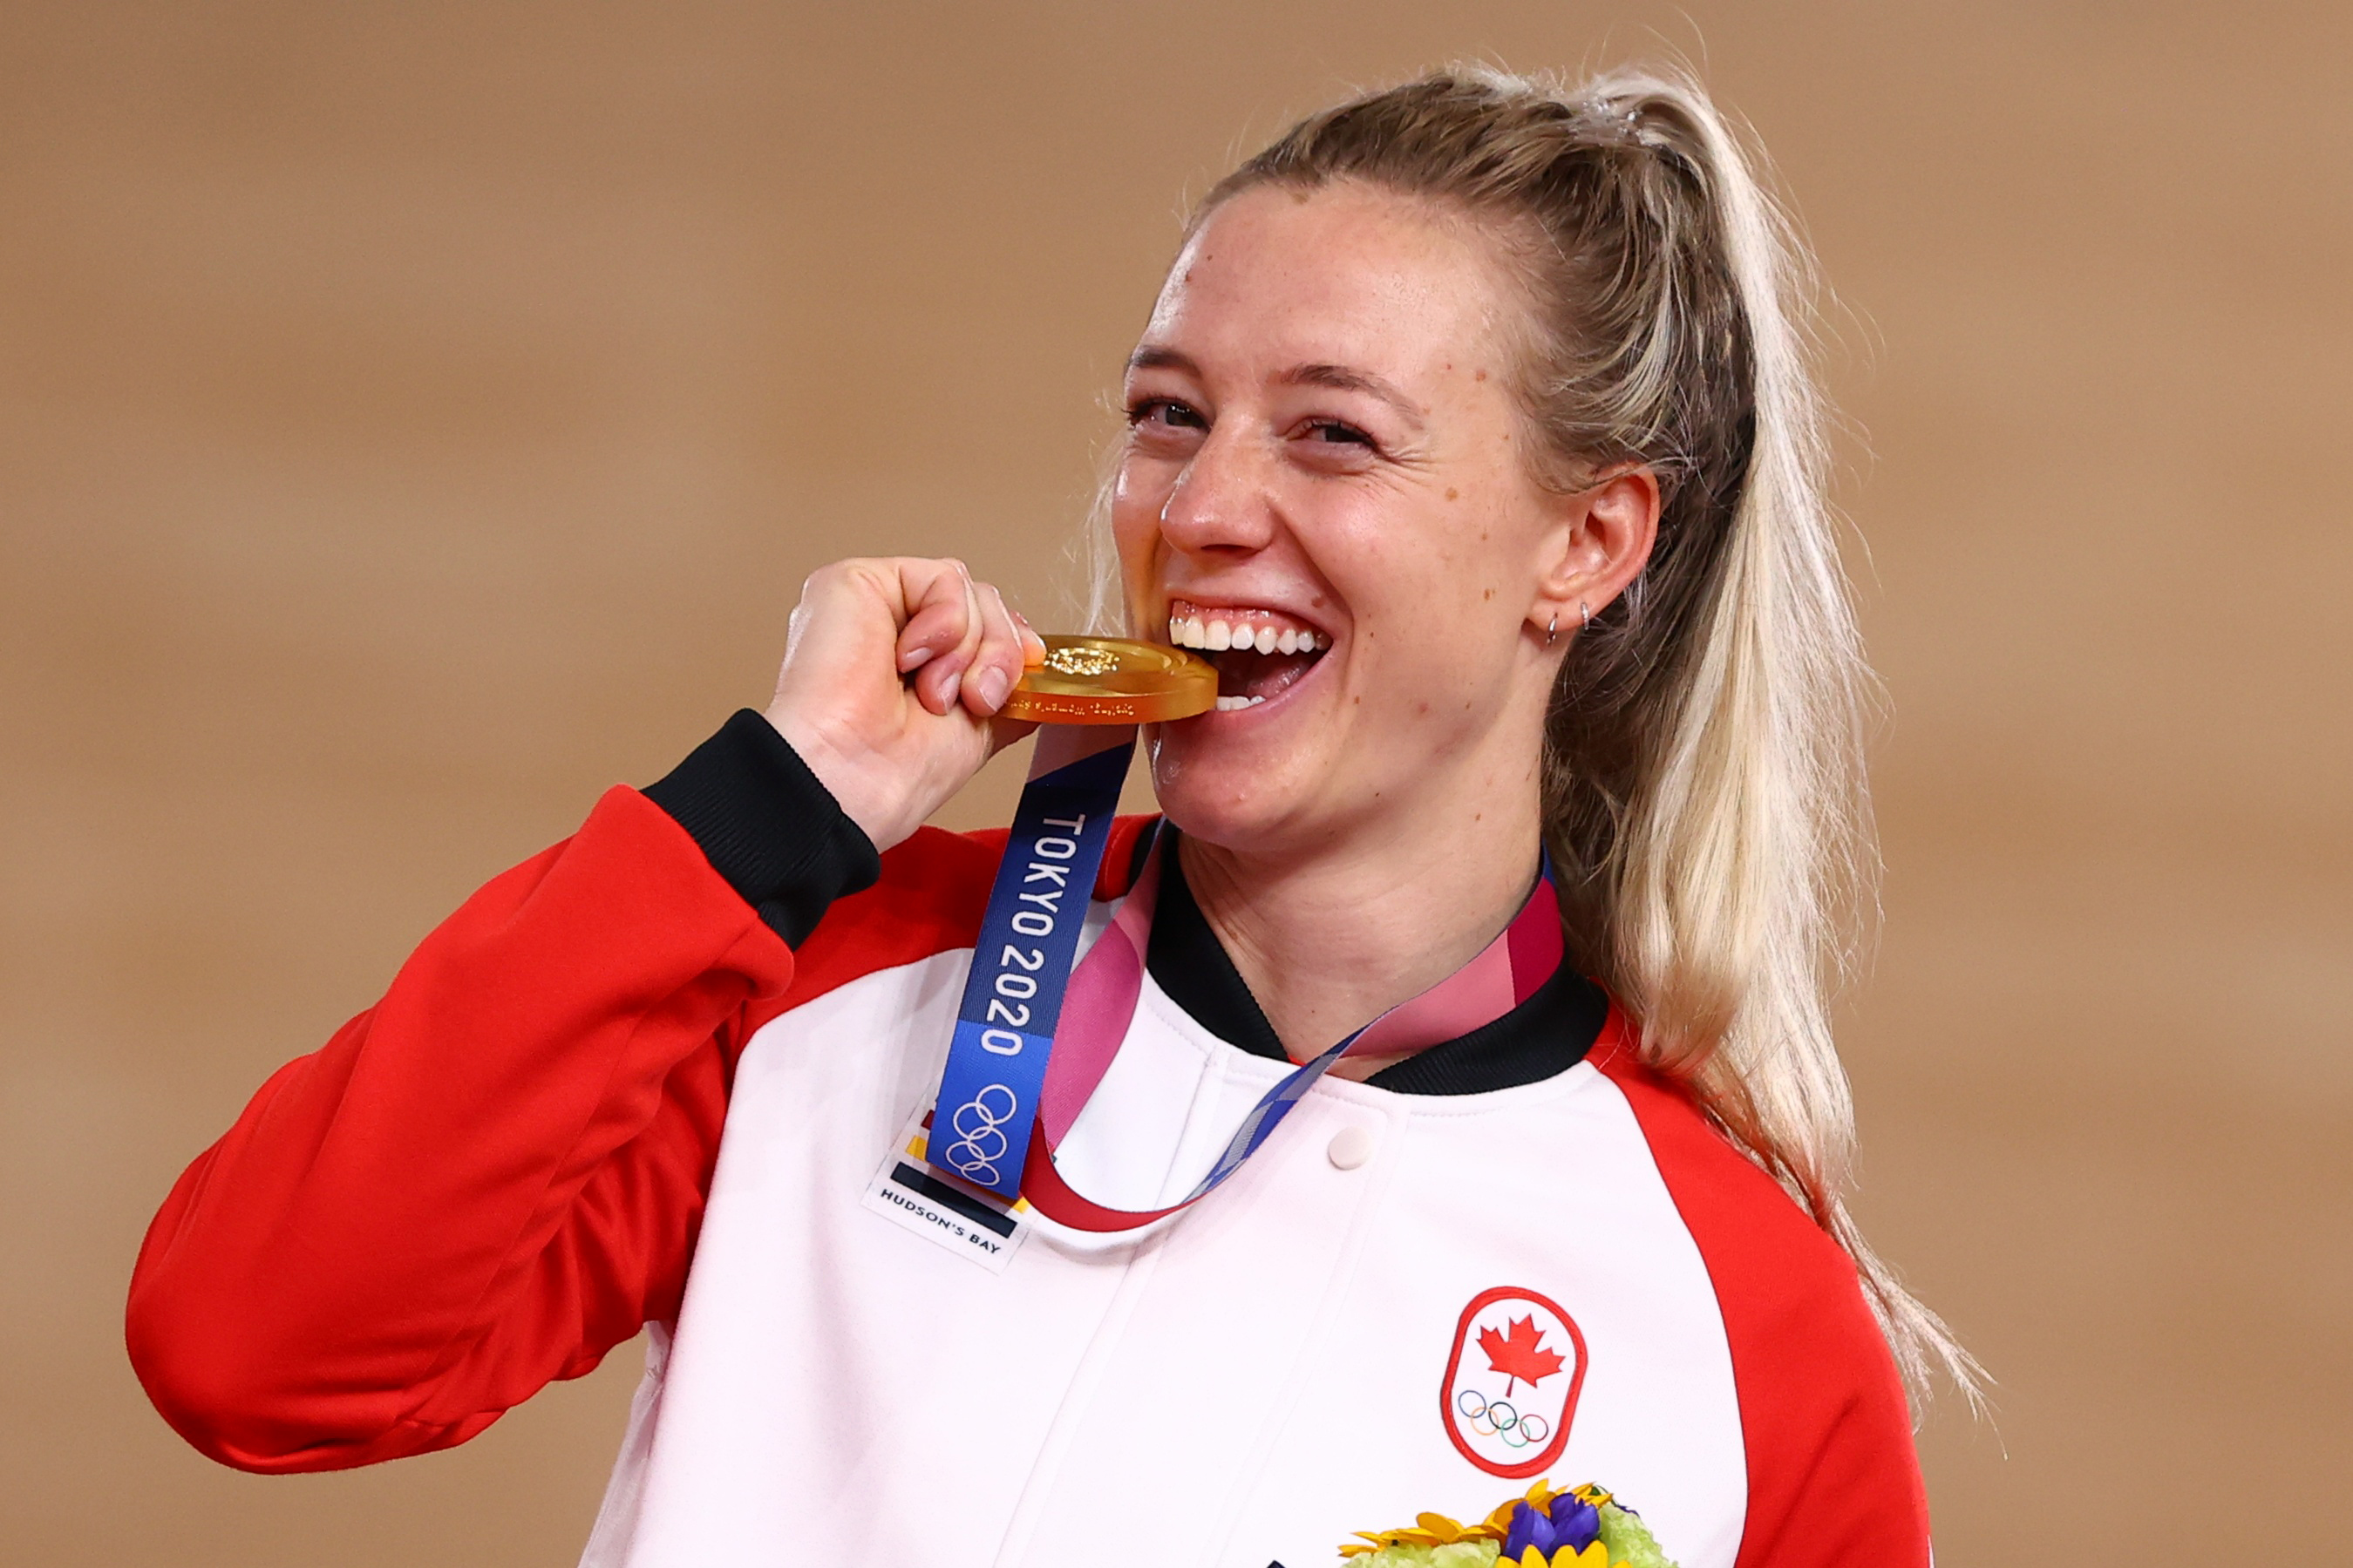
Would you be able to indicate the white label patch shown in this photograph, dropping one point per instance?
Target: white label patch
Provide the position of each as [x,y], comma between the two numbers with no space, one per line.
[1511,1382]
[973,1225]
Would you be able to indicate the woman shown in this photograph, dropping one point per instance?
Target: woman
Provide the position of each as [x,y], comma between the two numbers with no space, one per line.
[1469,438]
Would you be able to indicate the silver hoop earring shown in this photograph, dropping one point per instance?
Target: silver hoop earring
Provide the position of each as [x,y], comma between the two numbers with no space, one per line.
[1552,628]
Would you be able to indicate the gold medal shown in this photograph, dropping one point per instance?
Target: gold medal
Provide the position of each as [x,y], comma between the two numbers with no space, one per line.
[1109,680]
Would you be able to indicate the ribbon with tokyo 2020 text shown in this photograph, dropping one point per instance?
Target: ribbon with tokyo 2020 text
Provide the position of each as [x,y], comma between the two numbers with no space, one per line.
[1021,962]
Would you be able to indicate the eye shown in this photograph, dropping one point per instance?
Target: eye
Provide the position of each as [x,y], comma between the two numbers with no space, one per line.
[1333,432]
[1164,413]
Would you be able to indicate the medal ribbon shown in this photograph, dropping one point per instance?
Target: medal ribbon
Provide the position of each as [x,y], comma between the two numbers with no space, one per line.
[1033,1039]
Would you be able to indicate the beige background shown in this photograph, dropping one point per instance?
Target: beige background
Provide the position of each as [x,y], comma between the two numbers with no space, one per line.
[414,418]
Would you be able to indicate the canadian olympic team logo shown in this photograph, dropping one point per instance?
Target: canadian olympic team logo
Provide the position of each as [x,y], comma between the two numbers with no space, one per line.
[1511,1382]
[979,1125]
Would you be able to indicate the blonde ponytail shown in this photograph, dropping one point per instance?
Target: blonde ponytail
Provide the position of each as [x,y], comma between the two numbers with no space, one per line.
[1704,774]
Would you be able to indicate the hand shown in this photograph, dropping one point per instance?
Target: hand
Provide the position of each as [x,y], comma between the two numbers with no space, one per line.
[894,673]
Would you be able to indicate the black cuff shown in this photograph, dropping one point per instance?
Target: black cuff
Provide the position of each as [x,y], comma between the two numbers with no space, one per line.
[767,825]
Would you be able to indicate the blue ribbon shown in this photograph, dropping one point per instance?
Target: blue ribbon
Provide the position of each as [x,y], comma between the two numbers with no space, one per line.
[996,1072]
[1020,965]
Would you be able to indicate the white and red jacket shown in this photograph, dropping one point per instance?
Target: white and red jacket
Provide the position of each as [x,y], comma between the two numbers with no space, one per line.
[608,1092]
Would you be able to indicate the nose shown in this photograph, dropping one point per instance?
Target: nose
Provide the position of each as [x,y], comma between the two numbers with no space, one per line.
[1221,503]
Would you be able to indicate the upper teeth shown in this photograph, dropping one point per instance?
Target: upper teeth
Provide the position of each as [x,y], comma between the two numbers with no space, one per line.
[1218,635]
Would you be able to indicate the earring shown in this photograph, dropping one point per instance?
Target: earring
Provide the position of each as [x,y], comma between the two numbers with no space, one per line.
[1552,628]
[1586,622]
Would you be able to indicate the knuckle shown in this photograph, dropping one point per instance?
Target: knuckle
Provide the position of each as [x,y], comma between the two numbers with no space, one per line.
[836,573]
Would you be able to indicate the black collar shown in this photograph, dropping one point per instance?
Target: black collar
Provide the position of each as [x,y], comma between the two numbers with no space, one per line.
[1548,1033]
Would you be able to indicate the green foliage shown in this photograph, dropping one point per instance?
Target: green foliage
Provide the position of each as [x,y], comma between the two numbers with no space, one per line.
[1629,1540]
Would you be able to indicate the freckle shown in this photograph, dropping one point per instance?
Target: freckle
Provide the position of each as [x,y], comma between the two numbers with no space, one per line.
[1487,593]
[1356,702]
[1479,376]
[1451,492]
[1482,533]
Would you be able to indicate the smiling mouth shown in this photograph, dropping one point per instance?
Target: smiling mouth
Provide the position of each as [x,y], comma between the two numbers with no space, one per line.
[1259,654]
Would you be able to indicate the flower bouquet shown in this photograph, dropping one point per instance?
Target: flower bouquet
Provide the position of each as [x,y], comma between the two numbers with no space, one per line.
[1583,1527]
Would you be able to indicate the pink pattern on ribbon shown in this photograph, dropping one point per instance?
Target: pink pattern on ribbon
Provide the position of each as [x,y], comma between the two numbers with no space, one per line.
[1506,973]
[1097,1005]
[1100,999]
[1536,943]
[1478,993]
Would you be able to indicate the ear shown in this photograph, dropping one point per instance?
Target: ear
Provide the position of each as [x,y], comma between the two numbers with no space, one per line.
[1599,542]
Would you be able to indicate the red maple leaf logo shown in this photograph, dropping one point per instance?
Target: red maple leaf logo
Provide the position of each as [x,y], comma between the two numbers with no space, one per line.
[1519,1354]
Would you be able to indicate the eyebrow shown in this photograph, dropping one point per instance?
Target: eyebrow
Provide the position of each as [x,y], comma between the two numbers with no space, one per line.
[1340,377]
[1150,358]
[1345,378]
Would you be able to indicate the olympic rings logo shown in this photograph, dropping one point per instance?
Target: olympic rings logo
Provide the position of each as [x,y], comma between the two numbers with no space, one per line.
[1499,1419]
[979,1126]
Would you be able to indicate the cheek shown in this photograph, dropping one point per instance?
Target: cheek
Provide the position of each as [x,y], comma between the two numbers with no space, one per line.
[1136,500]
[1406,577]
[1441,603]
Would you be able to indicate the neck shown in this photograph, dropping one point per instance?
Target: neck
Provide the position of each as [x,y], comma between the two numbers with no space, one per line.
[1329,938]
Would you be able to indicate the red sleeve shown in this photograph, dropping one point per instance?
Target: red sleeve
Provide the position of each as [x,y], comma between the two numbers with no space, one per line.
[482,1183]
[1833,1478]
[496,1174]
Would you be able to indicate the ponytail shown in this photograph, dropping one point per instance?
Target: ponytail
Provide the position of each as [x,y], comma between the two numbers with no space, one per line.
[1704,791]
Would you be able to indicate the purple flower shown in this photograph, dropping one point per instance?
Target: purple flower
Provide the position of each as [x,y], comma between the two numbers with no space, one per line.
[1575,1522]
[1571,1523]
[1529,1527]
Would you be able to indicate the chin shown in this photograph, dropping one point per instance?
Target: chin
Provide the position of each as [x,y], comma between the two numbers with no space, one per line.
[1223,789]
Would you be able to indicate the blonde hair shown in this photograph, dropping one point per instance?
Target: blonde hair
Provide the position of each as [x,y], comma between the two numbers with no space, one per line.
[1704,793]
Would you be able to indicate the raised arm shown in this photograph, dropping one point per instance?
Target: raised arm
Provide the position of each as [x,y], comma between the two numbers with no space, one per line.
[481,1184]
[494,1175]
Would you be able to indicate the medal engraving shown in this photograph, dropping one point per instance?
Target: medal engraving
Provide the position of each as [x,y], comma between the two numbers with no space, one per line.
[1110,680]
[1082,661]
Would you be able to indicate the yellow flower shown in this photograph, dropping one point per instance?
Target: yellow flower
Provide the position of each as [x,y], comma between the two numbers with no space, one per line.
[1540,1497]
[1595,1555]
[1427,1530]
[1435,1530]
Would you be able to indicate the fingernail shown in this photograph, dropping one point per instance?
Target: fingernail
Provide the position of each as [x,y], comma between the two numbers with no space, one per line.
[992,686]
[914,659]
[949,687]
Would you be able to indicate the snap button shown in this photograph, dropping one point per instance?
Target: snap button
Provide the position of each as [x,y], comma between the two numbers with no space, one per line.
[1351,1147]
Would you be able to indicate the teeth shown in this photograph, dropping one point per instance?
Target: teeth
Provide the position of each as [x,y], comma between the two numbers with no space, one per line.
[1215,636]
[1235,704]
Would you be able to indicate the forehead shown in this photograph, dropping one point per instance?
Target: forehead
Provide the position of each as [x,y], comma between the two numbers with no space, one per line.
[1346,274]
